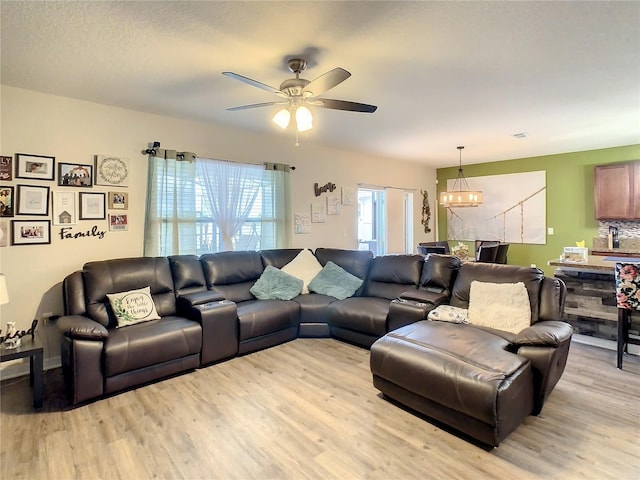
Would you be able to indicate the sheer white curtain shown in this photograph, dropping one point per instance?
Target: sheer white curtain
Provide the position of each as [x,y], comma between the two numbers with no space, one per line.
[170,224]
[208,205]
[230,192]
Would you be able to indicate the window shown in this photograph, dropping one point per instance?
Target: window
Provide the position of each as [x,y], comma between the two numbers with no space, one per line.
[212,205]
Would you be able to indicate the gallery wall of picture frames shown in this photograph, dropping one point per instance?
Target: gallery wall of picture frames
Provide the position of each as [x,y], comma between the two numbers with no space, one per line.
[73,202]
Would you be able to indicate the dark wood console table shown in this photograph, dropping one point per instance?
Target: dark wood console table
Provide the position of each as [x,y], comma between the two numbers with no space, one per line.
[32,348]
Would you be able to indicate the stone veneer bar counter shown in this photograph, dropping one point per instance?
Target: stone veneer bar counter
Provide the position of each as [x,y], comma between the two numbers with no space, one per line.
[591,300]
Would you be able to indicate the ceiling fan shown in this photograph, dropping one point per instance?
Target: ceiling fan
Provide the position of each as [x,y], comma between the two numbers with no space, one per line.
[298,92]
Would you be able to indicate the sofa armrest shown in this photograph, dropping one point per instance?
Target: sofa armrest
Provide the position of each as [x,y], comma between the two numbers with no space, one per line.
[548,333]
[404,312]
[220,330]
[424,296]
[82,328]
[192,299]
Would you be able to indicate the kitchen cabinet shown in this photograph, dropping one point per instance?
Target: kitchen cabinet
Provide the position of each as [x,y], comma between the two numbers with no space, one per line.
[617,191]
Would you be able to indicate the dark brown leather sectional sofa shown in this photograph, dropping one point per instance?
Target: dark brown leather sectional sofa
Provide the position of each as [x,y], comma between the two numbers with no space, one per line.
[208,314]
[479,380]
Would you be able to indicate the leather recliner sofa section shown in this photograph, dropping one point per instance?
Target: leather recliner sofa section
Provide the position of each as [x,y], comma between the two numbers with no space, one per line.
[208,313]
[476,379]
[97,358]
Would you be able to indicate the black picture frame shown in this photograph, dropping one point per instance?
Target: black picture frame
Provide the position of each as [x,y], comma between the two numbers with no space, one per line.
[92,206]
[36,167]
[30,232]
[32,200]
[75,175]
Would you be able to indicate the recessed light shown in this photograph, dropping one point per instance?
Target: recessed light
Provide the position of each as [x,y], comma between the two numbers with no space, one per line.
[520,135]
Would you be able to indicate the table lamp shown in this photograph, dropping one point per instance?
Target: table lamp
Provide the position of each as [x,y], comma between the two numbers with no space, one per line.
[4,299]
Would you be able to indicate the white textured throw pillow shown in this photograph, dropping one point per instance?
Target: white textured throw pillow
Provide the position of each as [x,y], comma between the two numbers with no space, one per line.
[447,313]
[133,307]
[305,267]
[503,306]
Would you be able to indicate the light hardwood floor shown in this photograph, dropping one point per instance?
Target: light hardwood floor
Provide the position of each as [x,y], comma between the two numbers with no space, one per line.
[307,410]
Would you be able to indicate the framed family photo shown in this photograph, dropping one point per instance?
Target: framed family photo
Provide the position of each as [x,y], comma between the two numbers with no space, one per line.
[6,201]
[118,222]
[118,200]
[92,206]
[38,167]
[33,200]
[75,175]
[30,232]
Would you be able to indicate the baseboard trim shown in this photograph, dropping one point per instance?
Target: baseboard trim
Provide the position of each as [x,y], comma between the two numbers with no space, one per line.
[602,343]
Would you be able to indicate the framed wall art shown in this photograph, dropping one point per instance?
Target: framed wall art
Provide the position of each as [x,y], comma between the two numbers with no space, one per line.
[333,204]
[64,211]
[118,201]
[75,175]
[30,232]
[318,212]
[92,206]
[6,172]
[6,201]
[32,200]
[112,171]
[302,222]
[38,167]
[118,222]
[4,233]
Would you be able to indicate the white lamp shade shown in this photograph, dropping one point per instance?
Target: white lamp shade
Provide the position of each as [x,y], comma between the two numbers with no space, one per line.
[4,293]
[282,118]
[304,119]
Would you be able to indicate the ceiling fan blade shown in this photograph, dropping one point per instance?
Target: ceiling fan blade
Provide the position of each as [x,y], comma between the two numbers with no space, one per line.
[254,83]
[256,105]
[326,82]
[344,105]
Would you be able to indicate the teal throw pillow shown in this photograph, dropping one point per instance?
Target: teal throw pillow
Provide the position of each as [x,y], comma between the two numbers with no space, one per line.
[274,284]
[335,281]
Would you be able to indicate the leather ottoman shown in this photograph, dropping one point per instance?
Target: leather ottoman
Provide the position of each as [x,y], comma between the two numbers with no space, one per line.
[460,375]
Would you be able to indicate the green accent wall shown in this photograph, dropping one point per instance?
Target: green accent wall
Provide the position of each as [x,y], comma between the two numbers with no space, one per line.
[570,204]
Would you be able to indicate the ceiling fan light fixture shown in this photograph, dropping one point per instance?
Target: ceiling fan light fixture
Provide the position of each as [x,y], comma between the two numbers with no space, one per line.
[304,119]
[461,195]
[282,118]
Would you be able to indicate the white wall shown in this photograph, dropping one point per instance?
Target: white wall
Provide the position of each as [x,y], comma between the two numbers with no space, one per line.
[74,131]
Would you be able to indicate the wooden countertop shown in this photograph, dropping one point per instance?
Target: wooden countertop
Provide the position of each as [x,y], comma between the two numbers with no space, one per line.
[593,263]
[615,251]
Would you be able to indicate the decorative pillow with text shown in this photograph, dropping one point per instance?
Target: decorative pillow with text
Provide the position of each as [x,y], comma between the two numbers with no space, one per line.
[134,306]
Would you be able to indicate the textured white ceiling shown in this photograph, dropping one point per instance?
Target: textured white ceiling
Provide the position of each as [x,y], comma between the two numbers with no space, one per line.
[442,73]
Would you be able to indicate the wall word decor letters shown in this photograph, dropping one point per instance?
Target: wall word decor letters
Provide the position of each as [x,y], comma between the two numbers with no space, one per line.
[329,187]
[68,233]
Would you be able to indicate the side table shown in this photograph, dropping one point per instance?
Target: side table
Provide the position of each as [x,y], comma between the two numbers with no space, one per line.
[32,348]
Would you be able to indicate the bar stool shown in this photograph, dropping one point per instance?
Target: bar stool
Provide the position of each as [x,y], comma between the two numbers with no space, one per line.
[627,277]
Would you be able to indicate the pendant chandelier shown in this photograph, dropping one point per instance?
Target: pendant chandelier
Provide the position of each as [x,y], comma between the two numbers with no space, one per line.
[460,195]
